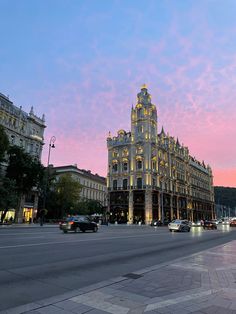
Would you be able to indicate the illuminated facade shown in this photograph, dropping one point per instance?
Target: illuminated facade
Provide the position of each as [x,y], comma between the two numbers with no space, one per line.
[26,131]
[151,176]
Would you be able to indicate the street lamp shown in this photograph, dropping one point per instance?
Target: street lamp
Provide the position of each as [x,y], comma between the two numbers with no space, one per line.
[51,145]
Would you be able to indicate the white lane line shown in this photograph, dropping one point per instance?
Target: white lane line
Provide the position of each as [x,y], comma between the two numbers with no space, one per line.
[76,241]
[25,233]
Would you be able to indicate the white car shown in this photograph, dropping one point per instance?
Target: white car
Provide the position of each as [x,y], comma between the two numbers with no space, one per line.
[179,225]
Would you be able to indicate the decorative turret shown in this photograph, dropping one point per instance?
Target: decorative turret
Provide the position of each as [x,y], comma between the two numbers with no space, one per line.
[144,97]
[144,117]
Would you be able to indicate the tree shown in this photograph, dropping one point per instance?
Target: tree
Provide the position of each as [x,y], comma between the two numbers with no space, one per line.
[90,207]
[63,197]
[8,196]
[4,143]
[26,172]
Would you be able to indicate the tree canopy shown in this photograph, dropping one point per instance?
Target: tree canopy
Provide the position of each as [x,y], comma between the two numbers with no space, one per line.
[26,171]
[63,196]
[8,196]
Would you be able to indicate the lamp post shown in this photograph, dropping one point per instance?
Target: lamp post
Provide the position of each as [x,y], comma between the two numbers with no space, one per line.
[51,145]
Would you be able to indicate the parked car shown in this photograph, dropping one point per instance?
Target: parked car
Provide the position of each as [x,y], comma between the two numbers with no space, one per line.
[209,224]
[179,225]
[232,223]
[78,223]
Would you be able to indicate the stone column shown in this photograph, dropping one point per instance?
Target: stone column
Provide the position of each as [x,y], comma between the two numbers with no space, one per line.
[159,206]
[131,207]
[171,207]
[177,205]
[148,207]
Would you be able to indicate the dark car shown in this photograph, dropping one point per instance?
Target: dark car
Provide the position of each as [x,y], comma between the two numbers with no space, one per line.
[156,223]
[78,223]
[209,224]
[232,223]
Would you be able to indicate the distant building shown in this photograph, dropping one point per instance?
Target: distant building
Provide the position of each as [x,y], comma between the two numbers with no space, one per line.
[25,130]
[152,176]
[93,186]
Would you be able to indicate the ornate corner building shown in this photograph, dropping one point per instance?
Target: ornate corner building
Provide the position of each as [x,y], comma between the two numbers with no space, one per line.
[151,176]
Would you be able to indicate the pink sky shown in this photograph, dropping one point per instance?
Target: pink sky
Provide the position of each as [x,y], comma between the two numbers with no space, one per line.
[83,64]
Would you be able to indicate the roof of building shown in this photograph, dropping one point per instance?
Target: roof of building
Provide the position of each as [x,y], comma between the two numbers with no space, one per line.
[86,173]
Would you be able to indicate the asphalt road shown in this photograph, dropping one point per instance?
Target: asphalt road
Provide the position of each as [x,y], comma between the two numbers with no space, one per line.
[41,262]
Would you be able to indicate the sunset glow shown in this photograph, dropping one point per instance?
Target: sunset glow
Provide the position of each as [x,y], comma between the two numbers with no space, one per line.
[81,63]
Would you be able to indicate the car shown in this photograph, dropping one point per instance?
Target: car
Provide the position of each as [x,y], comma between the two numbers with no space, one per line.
[78,223]
[232,223]
[179,225]
[156,223]
[196,223]
[209,224]
[225,221]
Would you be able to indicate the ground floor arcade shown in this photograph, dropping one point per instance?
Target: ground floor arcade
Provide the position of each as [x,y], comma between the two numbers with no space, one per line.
[144,206]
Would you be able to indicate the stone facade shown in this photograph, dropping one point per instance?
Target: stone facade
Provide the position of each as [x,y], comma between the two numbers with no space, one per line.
[151,176]
[23,129]
[26,131]
[93,186]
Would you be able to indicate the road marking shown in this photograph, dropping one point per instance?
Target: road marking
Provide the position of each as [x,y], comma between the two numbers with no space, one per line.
[24,233]
[76,241]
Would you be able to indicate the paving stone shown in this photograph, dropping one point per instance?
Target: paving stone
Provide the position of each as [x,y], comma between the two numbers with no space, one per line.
[51,309]
[67,305]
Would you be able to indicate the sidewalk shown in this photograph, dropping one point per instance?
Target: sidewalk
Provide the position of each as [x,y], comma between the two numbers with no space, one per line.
[201,283]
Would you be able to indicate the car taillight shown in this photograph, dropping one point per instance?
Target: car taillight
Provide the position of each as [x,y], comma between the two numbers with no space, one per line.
[71,222]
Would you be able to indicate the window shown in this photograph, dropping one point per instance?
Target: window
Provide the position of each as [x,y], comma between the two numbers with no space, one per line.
[115,154]
[139,183]
[139,164]
[125,166]
[153,182]
[125,184]
[12,139]
[114,167]
[154,165]
[140,129]
[114,184]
